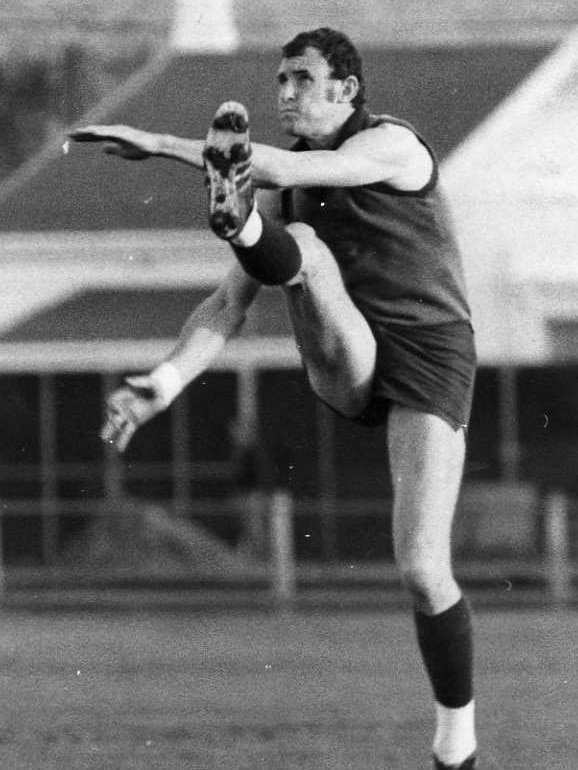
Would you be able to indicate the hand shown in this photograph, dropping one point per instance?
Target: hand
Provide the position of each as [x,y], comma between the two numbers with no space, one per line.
[129,407]
[124,141]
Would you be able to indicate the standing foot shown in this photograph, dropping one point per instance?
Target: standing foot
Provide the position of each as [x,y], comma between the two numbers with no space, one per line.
[467,764]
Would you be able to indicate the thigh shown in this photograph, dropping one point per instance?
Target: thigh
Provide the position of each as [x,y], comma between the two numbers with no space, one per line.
[335,341]
[426,460]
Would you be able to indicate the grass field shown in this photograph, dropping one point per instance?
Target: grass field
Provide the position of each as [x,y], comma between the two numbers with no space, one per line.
[250,690]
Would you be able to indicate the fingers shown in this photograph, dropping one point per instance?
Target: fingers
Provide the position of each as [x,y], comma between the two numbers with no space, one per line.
[127,409]
[121,420]
[123,141]
[113,148]
[119,428]
[125,150]
[124,437]
[92,134]
[143,384]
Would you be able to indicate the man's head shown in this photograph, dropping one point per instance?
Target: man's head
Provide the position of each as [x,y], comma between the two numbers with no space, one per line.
[320,83]
[338,51]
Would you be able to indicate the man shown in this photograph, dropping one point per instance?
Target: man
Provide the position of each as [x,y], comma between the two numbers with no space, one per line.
[374,285]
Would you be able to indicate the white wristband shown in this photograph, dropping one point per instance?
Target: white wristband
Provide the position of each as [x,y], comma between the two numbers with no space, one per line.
[168,381]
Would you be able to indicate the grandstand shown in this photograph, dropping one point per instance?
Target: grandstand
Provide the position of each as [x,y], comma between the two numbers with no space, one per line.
[103,260]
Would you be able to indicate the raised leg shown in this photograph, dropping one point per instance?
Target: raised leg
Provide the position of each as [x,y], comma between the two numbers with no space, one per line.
[336,344]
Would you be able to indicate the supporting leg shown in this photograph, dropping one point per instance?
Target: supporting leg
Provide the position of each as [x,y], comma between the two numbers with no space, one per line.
[427,457]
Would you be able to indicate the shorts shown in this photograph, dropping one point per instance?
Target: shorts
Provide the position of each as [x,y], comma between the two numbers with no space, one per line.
[427,368]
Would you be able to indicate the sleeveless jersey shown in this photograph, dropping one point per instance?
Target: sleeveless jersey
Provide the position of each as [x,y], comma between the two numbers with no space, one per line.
[396,250]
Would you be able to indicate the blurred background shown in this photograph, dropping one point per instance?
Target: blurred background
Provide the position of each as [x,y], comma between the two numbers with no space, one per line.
[248,481]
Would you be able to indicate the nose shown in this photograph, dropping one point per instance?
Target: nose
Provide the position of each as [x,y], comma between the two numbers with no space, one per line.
[286,92]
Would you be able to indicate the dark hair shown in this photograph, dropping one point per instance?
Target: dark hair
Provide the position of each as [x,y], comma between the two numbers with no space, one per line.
[338,51]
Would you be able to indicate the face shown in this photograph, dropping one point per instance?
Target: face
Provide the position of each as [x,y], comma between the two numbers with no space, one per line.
[311,103]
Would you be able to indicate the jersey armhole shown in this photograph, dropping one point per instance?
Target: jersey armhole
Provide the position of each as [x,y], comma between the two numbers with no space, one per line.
[434,176]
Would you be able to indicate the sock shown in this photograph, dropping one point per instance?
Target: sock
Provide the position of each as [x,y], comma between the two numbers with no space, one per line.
[445,641]
[252,230]
[455,737]
[275,257]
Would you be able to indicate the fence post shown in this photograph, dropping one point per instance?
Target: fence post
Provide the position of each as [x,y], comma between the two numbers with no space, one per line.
[282,548]
[2,566]
[557,556]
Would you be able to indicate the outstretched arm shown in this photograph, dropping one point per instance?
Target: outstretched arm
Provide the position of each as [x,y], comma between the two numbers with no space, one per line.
[202,338]
[133,144]
[388,153]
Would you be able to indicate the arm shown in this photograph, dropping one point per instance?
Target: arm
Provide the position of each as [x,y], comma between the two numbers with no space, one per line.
[216,320]
[202,338]
[133,144]
[387,153]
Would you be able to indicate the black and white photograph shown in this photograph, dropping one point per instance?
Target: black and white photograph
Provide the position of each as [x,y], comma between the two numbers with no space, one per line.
[288,385]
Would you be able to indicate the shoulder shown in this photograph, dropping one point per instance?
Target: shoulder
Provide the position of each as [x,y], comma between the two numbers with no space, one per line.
[386,136]
[391,129]
[412,165]
[383,119]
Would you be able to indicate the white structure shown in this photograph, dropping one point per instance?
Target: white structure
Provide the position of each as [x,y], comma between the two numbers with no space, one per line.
[204,27]
[513,186]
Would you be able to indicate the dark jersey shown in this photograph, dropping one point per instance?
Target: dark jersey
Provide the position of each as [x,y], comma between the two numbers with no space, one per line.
[396,250]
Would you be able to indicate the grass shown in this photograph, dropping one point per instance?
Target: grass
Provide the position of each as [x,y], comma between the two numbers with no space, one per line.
[244,691]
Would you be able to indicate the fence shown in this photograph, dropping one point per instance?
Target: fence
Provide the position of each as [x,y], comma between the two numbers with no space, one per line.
[216,456]
[131,541]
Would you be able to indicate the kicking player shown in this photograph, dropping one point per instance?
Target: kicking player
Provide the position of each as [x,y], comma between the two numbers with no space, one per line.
[363,250]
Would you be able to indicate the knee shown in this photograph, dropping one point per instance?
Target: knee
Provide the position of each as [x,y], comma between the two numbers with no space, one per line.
[314,253]
[424,578]
[304,234]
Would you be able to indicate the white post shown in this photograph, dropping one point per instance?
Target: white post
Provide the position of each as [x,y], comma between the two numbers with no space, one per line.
[282,551]
[557,547]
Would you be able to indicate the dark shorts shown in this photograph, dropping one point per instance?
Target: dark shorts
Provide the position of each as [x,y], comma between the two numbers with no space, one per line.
[428,368]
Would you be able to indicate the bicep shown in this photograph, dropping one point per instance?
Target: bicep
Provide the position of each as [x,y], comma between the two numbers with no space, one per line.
[382,154]
[388,153]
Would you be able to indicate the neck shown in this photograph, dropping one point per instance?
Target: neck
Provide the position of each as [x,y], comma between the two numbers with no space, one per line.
[328,138]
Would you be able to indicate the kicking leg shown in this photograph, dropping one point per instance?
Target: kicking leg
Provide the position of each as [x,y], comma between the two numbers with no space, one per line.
[336,344]
[426,457]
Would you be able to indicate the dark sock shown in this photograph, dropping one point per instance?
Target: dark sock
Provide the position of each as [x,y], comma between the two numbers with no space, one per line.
[445,641]
[274,259]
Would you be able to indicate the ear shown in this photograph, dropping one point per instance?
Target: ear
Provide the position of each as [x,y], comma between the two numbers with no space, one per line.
[350,88]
